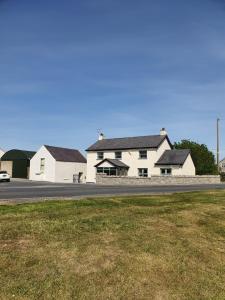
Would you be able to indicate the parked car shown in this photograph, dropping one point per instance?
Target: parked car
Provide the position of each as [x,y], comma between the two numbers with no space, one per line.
[4,176]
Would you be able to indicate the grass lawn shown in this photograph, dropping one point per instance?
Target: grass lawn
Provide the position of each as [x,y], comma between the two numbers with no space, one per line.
[146,247]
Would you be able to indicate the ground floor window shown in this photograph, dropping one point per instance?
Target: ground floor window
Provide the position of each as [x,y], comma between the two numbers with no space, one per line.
[107,171]
[143,172]
[166,172]
[112,171]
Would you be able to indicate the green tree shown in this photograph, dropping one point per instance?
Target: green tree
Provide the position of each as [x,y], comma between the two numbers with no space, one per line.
[203,158]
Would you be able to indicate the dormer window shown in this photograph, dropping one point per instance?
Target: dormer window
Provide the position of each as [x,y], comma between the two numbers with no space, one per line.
[143,154]
[118,155]
[100,155]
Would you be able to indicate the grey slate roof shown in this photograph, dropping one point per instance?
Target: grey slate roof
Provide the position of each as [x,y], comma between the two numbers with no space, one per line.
[66,155]
[139,142]
[114,162]
[173,157]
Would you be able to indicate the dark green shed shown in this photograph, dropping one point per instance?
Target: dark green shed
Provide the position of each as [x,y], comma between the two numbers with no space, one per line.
[17,162]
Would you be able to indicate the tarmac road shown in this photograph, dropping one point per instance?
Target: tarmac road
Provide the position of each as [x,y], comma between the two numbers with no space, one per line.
[18,191]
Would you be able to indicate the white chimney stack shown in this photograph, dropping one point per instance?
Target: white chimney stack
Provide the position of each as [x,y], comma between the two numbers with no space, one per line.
[101,136]
[163,131]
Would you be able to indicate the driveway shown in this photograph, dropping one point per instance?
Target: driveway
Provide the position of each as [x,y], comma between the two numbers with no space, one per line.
[18,191]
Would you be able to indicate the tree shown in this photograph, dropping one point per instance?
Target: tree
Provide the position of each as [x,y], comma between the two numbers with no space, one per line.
[203,158]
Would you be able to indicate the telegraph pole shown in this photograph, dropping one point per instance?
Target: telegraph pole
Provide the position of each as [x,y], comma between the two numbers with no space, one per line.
[218,143]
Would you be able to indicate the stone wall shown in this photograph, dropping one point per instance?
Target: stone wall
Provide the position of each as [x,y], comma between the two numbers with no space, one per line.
[157,180]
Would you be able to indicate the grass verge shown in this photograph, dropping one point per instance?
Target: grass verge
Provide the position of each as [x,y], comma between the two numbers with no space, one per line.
[140,247]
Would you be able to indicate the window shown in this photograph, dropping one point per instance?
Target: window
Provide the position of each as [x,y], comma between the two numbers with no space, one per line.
[143,172]
[100,155]
[166,172]
[107,171]
[42,165]
[118,155]
[143,154]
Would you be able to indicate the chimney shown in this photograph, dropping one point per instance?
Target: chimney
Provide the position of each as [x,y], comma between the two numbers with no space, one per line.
[101,136]
[163,131]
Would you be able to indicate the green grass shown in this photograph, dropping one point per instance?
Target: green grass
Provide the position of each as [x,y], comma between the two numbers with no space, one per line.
[146,247]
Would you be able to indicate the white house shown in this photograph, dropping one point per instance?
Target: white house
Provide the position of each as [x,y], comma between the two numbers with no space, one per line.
[142,156]
[57,164]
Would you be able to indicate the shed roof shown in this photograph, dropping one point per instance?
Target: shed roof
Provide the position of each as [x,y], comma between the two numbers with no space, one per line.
[173,157]
[17,154]
[138,142]
[114,162]
[65,154]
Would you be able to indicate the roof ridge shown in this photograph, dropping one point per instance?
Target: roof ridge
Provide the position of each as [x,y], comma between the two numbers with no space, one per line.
[132,137]
[61,147]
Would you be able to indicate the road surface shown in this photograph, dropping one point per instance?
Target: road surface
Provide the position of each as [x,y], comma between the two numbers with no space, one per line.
[27,191]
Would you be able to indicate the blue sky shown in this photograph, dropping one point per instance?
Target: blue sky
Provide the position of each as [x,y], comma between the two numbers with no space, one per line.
[69,68]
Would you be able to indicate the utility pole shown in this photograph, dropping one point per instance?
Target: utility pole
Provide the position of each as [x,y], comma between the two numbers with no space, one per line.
[218,143]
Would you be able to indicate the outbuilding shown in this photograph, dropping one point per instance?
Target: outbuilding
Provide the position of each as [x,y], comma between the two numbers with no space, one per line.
[56,164]
[17,163]
[2,152]
[176,162]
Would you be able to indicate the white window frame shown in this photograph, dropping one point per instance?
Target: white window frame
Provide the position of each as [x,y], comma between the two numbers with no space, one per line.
[142,172]
[116,152]
[98,155]
[166,172]
[42,165]
[141,154]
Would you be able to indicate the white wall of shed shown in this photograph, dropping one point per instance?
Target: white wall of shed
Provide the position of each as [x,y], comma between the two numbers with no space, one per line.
[35,164]
[64,171]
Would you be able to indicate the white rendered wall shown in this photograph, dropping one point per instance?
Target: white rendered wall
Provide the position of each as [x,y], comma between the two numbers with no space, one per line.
[64,171]
[35,163]
[106,164]
[1,153]
[130,158]
[188,168]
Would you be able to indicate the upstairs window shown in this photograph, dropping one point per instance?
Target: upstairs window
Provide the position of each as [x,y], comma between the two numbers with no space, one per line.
[100,155]
[118,155]
[166,172]
[143,172]
[143,154]
[42,165]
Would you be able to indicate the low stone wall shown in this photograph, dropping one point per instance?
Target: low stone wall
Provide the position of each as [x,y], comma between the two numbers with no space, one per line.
[157,180]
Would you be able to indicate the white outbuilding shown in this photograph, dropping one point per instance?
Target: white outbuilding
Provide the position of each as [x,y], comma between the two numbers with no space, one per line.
[56,164]
[2,152]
